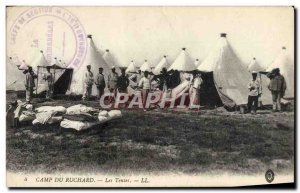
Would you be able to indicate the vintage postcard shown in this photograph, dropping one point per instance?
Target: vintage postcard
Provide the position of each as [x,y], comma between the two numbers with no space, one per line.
[150,96]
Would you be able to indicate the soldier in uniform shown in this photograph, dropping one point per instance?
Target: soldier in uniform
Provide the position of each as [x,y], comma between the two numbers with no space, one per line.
[277,87]
[254,87]
[100,83]
[88,83]
[145,85]
[48,77]
[112,82]
[29,83]
[123,82]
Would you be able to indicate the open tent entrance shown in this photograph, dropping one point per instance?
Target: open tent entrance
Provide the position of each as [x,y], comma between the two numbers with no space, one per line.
[209,95]
[63,83]
[62,80]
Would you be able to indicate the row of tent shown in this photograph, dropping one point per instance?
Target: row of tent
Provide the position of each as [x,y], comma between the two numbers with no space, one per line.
[230,75]
[182,63]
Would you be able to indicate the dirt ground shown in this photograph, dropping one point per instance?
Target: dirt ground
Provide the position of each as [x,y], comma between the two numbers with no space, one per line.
[183,141]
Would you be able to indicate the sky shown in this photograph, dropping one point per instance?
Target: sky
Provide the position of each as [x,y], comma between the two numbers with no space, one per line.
[139,33]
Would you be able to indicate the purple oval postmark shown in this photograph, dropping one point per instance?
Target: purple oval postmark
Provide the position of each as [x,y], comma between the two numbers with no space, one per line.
[60,31]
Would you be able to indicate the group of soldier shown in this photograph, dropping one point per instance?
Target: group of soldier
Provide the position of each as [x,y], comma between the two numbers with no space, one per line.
[277,87]
[119,83]
[115,83]
[144,81]
[30,77]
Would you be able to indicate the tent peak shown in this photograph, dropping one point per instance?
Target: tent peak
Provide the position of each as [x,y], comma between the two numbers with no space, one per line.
[145,60]
[183,49]
[41,51]
[165,56]
[197,59]
[131,60]
[89,36]
[223,35]
[283,47]
[107,50]
[10,58]
[254,58]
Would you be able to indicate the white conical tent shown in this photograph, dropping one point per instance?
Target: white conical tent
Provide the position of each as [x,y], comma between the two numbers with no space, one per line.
[16,62]
[230,75]
[109,59]
[162,64]
[23,65]
[57,67]
[286,66]
[145,67]
[131,68]
[61,63]
[39,65]
[152,66]
[196,63]
[183,62]
[40,61]
[254,66]
[57,63]
[14,77]
[93,58]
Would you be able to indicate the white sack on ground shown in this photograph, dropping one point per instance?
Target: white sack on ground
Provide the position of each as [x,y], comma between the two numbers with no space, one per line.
[29,107]
[77,125]
[52,120]
[114,114]
[102,119]
[78,109]
[21,106]
[59,109]
[103,113]
[27,116]
[44,117]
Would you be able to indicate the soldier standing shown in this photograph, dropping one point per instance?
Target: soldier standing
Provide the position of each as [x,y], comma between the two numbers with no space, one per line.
[88,83]
[277,87]
[112,82]
[100,83]
[123,82]
[48,77]
[29,83]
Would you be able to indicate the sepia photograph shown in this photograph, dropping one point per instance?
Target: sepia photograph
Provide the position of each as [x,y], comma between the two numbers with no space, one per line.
[157,96]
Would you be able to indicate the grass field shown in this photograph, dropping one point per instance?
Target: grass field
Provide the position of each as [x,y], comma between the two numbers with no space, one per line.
[158,141]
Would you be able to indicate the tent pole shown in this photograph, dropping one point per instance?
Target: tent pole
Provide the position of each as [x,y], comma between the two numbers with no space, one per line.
[53,81]
[260,96]
[37,81]
[260,82]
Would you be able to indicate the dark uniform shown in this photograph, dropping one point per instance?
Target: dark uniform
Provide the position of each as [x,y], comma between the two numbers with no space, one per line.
[123,83]
[100,83]
[277,87]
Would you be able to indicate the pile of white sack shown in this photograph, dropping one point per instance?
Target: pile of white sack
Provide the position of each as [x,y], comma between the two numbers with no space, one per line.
[24,112]
[84,111]
[48,115]
[78,117]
